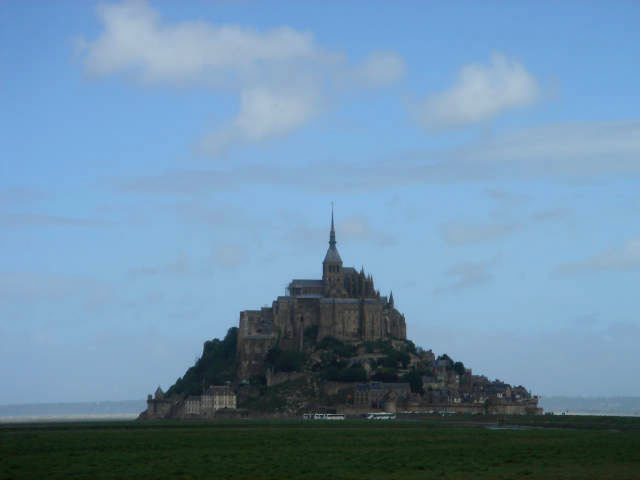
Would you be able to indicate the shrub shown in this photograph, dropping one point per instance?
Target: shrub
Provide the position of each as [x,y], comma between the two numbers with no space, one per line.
[385,375]
[350,374]
[285,360]
[258,380]
[339,348]
[411,347]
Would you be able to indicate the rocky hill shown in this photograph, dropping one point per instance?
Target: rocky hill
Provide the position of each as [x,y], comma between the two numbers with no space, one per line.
[333,343]
[331,375]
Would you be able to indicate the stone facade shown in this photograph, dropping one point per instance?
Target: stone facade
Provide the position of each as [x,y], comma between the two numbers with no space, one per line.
[215,399]
[344,304]
[379,395]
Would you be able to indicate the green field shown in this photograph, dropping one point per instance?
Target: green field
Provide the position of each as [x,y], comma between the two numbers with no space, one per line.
[424,448]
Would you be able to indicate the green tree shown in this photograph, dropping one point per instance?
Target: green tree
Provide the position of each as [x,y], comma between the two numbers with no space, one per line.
[458,367]
[285,360]
[215,366]
[415,381]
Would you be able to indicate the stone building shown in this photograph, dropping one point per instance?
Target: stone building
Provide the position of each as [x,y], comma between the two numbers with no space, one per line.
[158,406]
[213,399]
[378,395]
[344,304]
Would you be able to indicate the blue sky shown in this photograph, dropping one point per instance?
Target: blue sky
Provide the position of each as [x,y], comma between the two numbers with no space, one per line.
[164,166]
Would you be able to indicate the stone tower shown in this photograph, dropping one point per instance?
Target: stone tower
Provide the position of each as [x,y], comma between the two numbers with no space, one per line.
[332,271]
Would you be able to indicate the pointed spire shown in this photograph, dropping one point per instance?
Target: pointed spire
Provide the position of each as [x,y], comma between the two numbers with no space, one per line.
[332,255]
[391,299]
[332,235]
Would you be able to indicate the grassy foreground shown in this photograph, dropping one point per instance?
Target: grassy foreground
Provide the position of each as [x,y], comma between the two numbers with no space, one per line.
[292,449]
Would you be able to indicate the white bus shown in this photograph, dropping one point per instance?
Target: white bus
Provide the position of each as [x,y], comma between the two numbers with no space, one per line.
[381,416]
[323,416]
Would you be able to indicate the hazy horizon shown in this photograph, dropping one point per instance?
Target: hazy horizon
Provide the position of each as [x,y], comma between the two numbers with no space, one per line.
[164,166]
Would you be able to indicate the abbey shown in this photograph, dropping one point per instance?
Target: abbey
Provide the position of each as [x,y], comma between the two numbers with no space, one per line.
[344,304]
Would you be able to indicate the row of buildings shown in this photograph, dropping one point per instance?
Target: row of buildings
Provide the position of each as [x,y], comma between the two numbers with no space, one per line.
[215,399]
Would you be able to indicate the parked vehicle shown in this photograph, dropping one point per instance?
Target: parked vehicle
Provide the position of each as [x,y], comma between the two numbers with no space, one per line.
[323,416]
[381,416]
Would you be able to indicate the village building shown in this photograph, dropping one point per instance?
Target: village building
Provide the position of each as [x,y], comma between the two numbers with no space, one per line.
[214,398]
[374,394]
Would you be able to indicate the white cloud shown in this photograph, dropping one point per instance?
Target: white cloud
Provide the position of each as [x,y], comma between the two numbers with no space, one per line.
[552,214]
[282,75]
[457,234]
[480,93]
[467,275]
[135,38]
[565,151]
[42,220]
[351,229]
[380,69]
[624,258]
[178,266]
[264,114]
[357,227]
[579,149]
[34,287]
[229,256]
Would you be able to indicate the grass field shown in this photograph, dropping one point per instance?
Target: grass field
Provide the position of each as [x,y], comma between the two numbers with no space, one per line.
[292,449]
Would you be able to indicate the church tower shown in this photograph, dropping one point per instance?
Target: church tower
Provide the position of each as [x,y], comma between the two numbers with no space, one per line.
[332,272]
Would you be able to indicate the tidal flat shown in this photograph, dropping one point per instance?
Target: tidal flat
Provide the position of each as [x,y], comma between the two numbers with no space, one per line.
[559,448]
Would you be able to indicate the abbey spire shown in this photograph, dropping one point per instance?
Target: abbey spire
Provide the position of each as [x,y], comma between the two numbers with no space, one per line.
[332,255]
[332,272]
[332,234]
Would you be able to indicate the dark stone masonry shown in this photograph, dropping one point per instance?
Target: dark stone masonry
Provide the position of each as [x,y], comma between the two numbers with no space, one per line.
[344,304]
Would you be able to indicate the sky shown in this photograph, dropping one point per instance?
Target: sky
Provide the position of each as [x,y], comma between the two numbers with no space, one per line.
[165,165]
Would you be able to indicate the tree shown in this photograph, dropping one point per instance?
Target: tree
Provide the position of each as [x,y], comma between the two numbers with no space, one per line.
[285,360]
[415,381]
[385,375]
[458,367]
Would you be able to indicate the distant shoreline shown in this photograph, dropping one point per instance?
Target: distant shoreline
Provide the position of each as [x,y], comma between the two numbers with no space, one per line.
[593,414]
[68,418]
[72,411]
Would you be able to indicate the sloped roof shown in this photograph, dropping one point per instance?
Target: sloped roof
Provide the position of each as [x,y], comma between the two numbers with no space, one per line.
[301,282]
[332,256]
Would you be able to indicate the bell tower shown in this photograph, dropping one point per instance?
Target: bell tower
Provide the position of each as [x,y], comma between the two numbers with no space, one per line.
[332,273]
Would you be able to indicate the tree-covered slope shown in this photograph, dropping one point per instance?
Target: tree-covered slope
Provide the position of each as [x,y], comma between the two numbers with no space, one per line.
[215,367]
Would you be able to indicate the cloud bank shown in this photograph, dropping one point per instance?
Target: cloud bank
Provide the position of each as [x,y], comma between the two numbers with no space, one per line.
[281,76]
[458,234]
[623,258]
[562,152]
[467,275]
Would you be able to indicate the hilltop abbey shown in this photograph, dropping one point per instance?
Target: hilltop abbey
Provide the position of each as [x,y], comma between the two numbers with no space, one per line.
[344,304]
[330,344]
